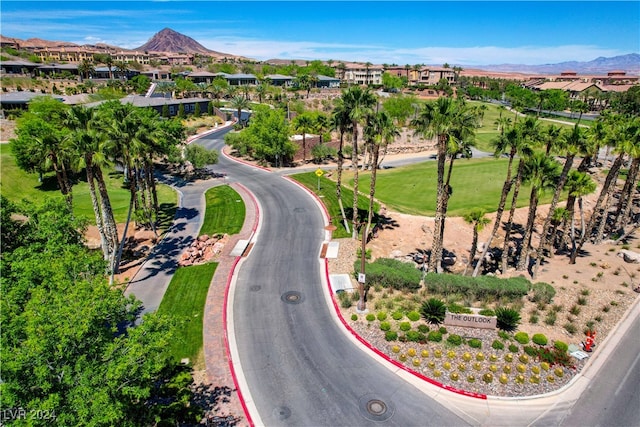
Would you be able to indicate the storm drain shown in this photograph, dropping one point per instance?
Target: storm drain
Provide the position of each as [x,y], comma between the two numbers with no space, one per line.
[292,297]
[282,412]
[375,409]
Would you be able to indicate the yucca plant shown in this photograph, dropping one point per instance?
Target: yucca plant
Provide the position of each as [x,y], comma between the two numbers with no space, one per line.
[508,319]
[433,311]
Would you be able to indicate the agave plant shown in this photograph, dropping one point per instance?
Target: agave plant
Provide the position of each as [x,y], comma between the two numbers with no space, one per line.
[508,318]
[433,311]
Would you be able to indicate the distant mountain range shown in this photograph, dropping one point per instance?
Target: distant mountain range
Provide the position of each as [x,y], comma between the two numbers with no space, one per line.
[168,40]
[629,63]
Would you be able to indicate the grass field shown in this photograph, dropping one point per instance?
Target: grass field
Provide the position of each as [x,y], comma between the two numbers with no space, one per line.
[328,196]
[184,302]
[225,211]
[17,185]
[476,183]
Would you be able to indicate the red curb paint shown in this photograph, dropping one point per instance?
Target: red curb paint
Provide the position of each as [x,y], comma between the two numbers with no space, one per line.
[244,162]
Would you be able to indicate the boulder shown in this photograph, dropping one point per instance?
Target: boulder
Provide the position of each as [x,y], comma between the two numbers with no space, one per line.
[629,256]
[396,253]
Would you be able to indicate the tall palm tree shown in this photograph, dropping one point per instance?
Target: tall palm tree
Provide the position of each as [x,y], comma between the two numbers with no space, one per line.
[304,124]
[542,173]
[571,142]
[476,217]
[341,121]
[578,184]
[239,103]
[632,148]
[438,119]
[86,68]
[358,103]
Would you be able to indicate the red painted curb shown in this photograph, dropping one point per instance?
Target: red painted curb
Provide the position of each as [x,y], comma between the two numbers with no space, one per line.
[244,162]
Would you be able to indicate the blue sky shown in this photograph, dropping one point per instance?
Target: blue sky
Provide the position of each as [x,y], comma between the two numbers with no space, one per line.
[456,32]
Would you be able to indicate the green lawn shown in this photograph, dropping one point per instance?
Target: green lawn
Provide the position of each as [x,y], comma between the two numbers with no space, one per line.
[328,196]
[477,183]
[184,301]
[17,185]
[225,211]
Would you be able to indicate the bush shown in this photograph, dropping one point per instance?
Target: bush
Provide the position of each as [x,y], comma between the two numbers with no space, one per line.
[415,336]
[474,343]
[454,339]
[354,317]
[397,315]
[391,273]
[508,318]
[531,351]
[561,346]
[522,338]
[370,317]
[570,328]
[487,312]
[513,348]
[434,336]
[458,309]
[442,330]
[385,326]
[550,318]
[382,316]
[414,316]
[405,326]
[497,344]
[504,335]
[345,299]
[423,328]
[542,292]
[433,311]
[481,286]
[539,339]
[391,335]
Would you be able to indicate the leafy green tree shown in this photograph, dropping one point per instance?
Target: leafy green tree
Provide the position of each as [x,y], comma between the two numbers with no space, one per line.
[391,82]
[200,156]
[627,102]
[268,135]
[140,83]
[400,107]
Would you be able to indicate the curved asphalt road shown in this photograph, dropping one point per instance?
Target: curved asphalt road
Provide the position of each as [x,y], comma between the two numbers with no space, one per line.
[299,366]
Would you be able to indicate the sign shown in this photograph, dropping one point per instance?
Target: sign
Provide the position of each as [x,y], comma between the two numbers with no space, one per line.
[470,321]
[361,277]
[319,172]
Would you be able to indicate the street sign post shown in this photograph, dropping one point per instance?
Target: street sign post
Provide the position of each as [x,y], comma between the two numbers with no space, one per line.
[319,173]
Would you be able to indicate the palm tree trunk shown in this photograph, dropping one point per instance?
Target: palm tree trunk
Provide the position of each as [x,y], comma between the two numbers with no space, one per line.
[339,183]
[372,186]
[96,205]
[512,211]
[474,246]
[435,261]
[506,187]
[354,161]
[554,202]
[626,196]
[528,230]
[570,207]
[605,216]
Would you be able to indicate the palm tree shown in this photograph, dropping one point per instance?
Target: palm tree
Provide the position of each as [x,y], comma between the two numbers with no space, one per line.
[578,184]
[438,120]
[407,67]
[239,103]
[550,136]
[321,124]
[632,148]
[86,68]
[542,173]
[218,87]
[304,124]
[358,103]
[341,121]
[262,90]
[479,220]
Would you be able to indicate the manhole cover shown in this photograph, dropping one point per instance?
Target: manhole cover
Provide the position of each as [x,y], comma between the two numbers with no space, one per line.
[292,297]
[374,408]
[255,288]
[299,210]
[282,412]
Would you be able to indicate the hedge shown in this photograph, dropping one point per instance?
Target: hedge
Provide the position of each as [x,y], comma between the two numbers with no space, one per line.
[481,286]
[391,273]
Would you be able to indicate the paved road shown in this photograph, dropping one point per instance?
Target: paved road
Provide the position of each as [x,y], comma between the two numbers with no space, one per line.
[300,368]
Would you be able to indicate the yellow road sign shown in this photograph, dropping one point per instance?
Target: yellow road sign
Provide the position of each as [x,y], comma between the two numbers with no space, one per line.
[319,172]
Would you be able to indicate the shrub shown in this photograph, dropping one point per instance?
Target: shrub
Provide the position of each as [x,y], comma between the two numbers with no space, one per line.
[423,328]
[508,318]
[497,344]
[391,335]
[505,336]
[414,316]
[475,343]
[354,317]
[522,338]
[570,328]
[531,351]
[542,292]
[487,312]
[370,317]
[582,301]
[345,299]
[539,339]
[575,310]
[482,286]
[434,336]
[433,311]
[550,318]
[415,336]
[391,273]
[397,315]
[533,319]
[382,316]
[454,339]
[513,348]
[385,326]
[405,326]
[561,346]
[458,309]
[442,330]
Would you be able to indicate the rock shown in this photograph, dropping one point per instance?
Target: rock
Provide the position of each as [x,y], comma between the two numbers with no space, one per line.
[396,253]
[449,260]
[629,256]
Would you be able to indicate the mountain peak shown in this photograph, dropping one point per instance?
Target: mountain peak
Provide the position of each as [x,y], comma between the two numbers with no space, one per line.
[168,40]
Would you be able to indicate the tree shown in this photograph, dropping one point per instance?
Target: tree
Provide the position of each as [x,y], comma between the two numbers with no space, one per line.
[86,68]
[240,103]
[358,103]
[390,82]
[578,184]
[631,146]
[479,220]
[268,136]
[341,121]
[303,124]
[199,156]
[104,58]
